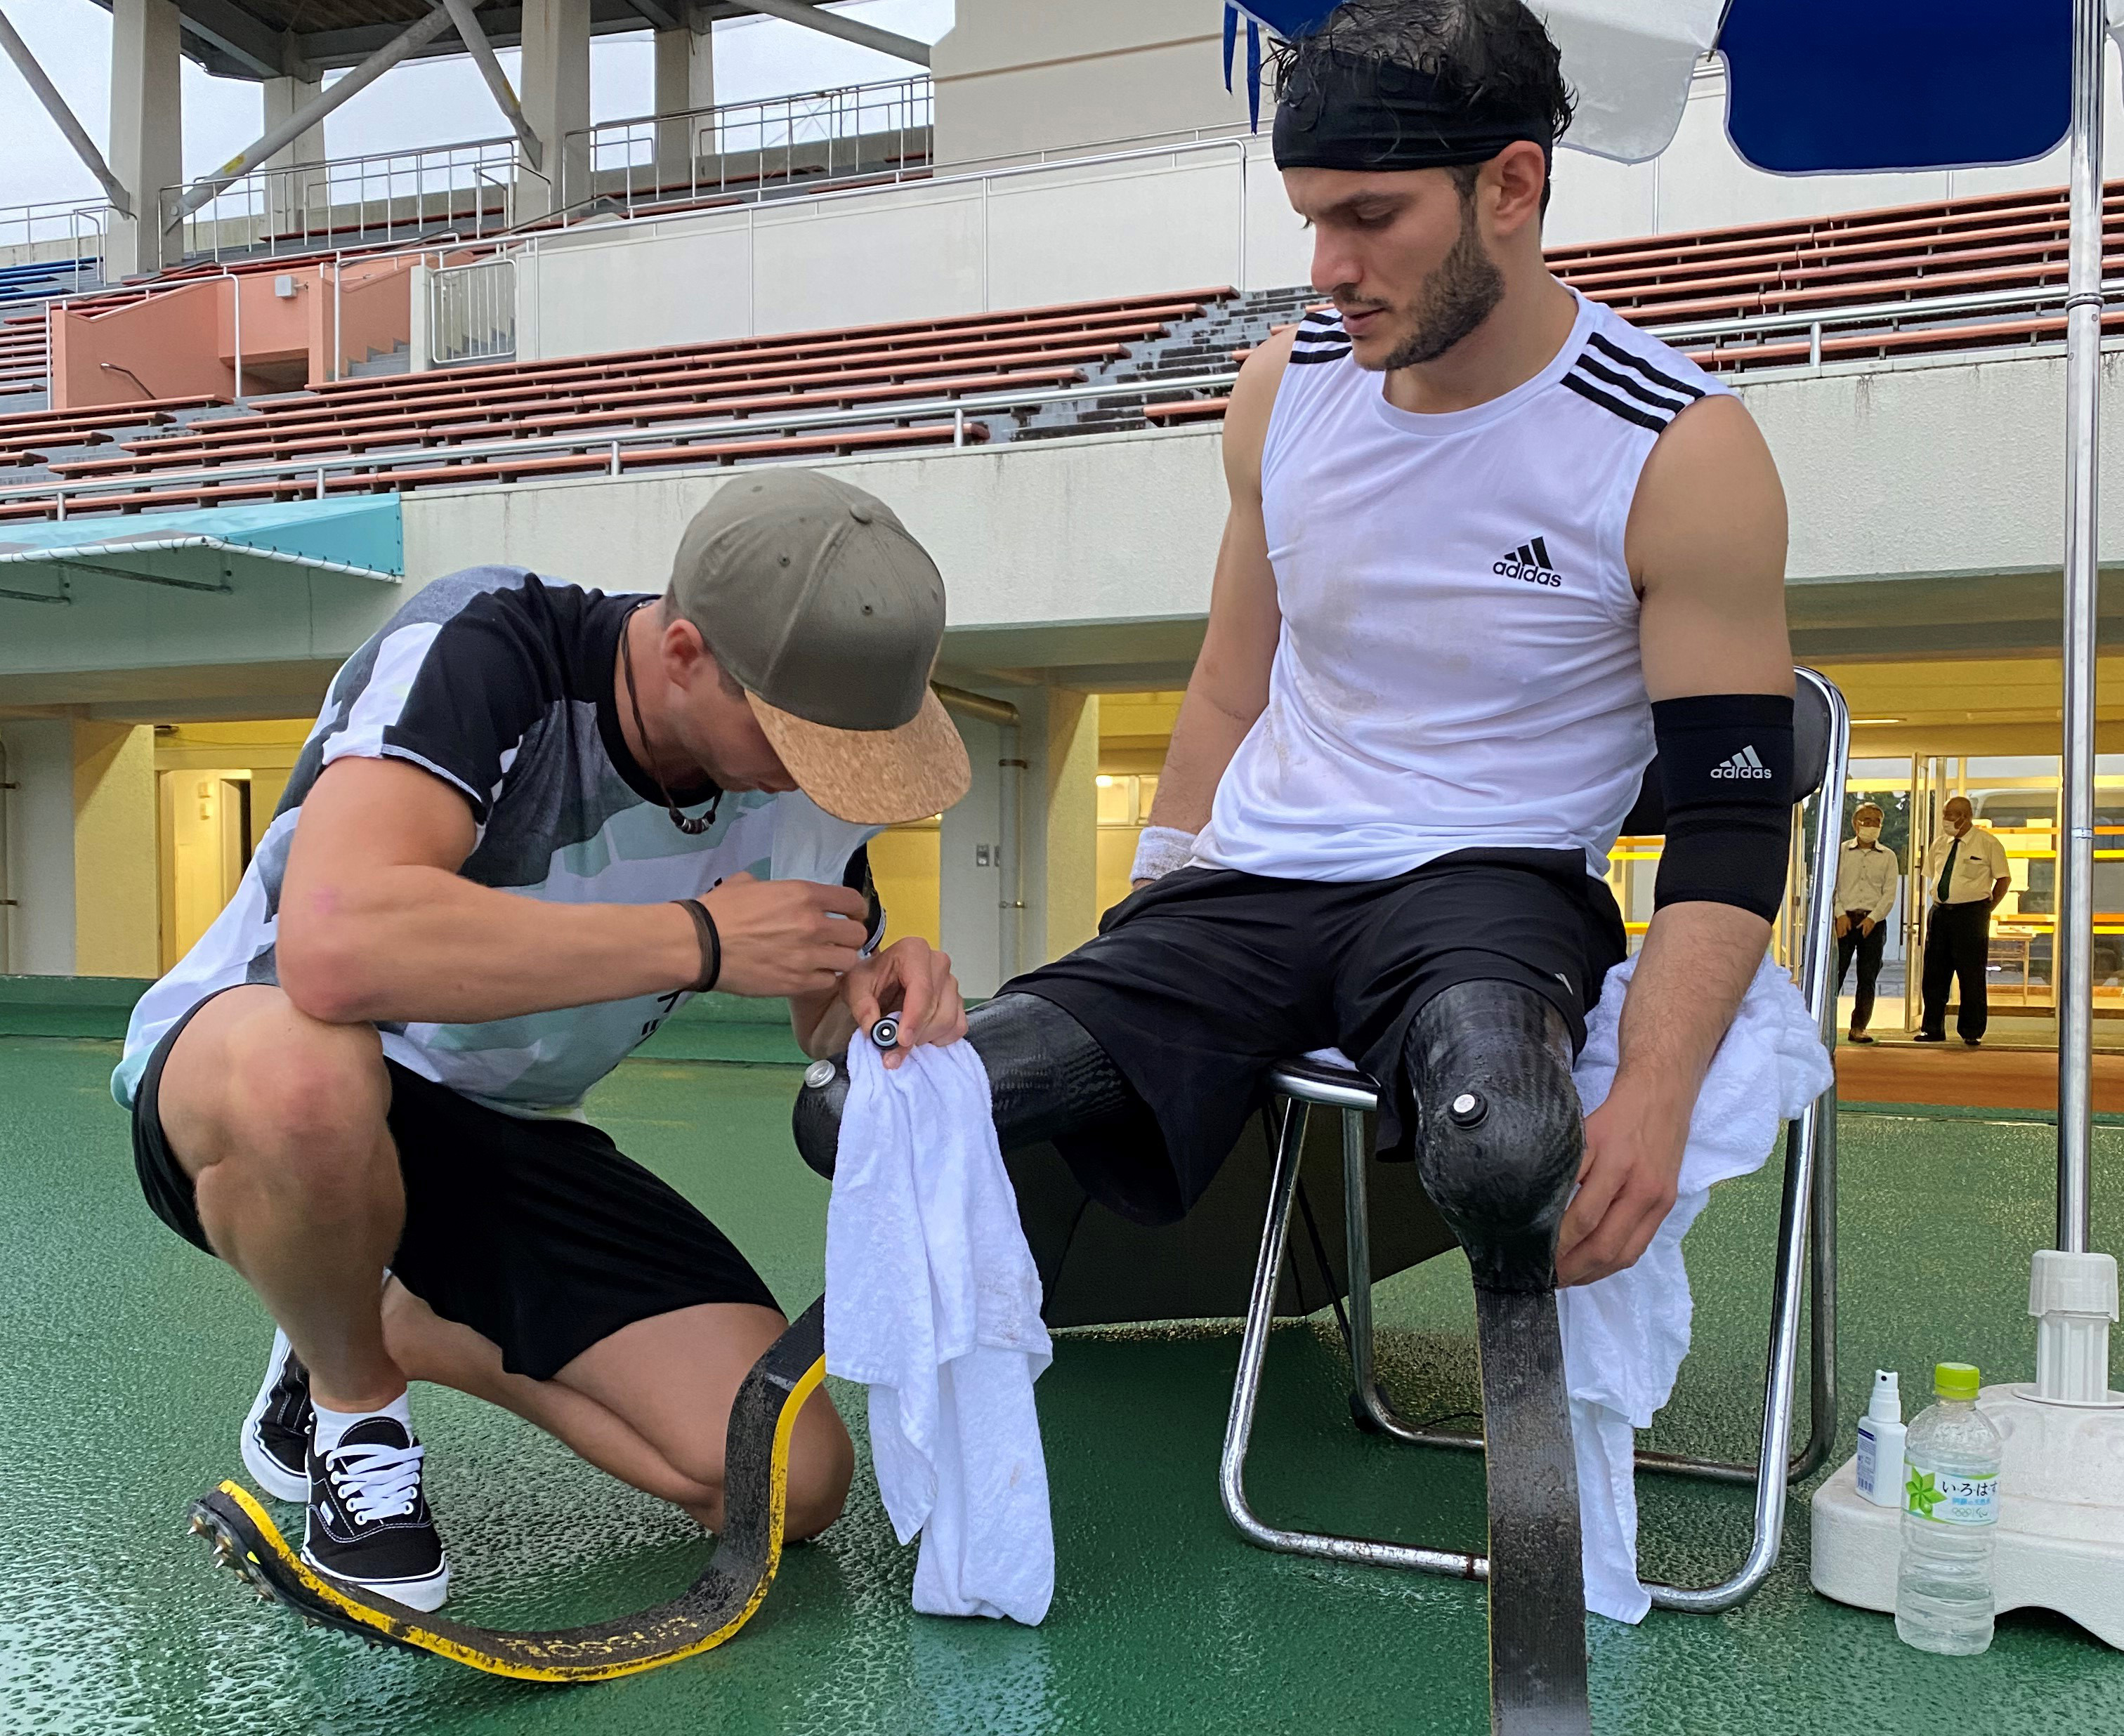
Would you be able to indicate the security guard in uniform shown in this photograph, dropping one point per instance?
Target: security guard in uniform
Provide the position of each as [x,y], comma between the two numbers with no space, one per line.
[1965,870]
[1867,876]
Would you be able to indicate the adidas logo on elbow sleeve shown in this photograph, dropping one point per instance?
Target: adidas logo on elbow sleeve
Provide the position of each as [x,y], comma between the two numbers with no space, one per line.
[1743,764]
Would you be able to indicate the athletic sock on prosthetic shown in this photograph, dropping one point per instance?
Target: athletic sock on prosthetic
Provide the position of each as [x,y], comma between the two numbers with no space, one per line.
[333,1424]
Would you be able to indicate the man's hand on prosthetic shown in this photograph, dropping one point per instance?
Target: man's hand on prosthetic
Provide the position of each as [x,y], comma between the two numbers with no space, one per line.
[912,978]
[1626,1182]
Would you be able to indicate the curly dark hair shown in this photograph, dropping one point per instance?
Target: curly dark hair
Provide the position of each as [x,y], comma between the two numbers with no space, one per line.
[1493,56]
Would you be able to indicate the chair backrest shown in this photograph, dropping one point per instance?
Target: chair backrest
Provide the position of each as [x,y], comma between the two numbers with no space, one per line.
[1811,721]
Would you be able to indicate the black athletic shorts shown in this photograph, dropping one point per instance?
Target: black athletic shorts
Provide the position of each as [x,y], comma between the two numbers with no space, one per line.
[539,1235]
[1199,982]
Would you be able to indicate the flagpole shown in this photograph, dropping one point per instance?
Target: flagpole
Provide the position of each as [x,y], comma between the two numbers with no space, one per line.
[2073,939]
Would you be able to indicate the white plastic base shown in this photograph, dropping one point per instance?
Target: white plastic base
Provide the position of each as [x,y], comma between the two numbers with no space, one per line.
[2060,1537]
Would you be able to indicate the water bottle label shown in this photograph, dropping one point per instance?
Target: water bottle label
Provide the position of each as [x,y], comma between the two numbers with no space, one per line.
[1947,1499]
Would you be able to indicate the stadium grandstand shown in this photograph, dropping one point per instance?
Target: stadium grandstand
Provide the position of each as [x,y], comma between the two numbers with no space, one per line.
[1007,290]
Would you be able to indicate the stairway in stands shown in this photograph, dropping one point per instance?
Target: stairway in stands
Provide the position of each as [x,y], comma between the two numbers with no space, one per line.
[1205,344]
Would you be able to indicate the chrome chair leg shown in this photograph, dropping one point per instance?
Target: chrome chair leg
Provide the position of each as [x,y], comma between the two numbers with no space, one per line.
[1246,1392]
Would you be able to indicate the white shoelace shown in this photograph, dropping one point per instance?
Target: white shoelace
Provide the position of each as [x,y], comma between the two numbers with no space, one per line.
[376,1482]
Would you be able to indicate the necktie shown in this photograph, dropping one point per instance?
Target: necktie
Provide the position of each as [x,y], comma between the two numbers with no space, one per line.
[1946,872]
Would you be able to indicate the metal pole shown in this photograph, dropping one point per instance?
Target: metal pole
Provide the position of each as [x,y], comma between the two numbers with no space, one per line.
[2072,941]
[849,29]
[497,81]
[55,106]
[415,36]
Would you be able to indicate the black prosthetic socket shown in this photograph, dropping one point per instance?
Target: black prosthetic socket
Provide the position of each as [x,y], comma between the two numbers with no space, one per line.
[1047,1077]
[1499,1135]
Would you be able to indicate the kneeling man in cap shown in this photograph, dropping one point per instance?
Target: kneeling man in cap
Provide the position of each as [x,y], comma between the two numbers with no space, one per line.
[532,820]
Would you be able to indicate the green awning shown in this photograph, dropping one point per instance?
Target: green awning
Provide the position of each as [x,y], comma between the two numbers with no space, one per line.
[206,550]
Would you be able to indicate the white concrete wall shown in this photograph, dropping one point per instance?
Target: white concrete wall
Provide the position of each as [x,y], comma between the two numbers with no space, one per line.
[40,928]
[1027,75]
[1050,534]
[1943,469]
[1170,218]
[1167,220]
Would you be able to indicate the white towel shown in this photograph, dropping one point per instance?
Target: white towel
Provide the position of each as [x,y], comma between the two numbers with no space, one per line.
[933,1302]
[1625,1336]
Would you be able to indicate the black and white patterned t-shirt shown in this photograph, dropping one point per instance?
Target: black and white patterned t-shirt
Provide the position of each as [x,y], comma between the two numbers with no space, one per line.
[501,684]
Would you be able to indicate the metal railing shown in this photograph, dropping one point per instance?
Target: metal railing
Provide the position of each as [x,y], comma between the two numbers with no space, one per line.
[378,463]
[1915,312]
[472,188]
[704,153]
[79,226]
[471,313]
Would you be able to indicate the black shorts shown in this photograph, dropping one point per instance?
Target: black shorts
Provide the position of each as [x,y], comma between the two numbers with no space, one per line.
[539,1235]
[1199,982]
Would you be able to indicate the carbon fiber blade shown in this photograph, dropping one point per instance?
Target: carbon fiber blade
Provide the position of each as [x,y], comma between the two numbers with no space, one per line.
[1537,1584]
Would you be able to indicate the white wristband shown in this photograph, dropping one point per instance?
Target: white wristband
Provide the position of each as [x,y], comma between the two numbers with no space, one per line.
[1160,851]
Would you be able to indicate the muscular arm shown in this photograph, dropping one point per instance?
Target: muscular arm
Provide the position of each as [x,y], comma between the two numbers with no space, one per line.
[1229,686]
[1706,544]
[376,922]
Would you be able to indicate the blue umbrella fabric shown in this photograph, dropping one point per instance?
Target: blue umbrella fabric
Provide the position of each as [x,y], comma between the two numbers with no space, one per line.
[1826,86]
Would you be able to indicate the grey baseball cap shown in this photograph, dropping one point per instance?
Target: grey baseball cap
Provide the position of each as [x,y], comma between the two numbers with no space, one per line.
[829,614]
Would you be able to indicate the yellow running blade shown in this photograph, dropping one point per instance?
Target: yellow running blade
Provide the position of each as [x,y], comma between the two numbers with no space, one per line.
[722,1600]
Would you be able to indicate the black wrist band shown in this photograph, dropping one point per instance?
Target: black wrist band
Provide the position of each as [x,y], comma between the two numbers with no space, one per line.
[712,943]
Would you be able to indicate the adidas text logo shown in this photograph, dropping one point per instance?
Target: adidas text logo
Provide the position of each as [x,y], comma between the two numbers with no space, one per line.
[1743,764]
[1529,561]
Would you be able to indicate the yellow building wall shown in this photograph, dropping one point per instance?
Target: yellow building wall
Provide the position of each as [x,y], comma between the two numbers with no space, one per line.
[201,769]
[116,915]
[1135,731]
[1071,820]
[904,863]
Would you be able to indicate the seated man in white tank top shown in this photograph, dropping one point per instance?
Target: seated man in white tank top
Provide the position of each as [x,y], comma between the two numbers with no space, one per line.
[1488,547]
[1481,532]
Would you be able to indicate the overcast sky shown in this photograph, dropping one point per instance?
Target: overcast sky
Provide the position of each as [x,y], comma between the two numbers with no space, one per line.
[425,102]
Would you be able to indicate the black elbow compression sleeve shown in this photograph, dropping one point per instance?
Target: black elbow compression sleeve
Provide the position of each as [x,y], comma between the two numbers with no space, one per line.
[1725,773]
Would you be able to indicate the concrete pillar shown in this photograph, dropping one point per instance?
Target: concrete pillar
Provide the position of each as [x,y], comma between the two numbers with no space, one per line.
[36,756]
[116,880]
[1069,826]
[296,203]
[685,80]
[556,101]
[147,130]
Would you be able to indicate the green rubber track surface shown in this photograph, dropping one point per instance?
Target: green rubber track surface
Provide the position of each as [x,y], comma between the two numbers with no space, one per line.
[129,1359]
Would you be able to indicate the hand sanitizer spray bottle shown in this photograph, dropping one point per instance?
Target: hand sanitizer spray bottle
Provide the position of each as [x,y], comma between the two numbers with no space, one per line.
[1880,1469]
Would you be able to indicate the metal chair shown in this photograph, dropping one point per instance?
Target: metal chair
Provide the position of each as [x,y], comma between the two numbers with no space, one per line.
[1807,1239]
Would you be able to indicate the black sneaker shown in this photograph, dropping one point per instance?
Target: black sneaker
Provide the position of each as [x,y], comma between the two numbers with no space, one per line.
[276,1434]
[369,1524]
[1930,1036]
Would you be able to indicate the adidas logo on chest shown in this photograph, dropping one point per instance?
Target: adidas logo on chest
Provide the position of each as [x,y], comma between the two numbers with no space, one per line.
[1529,562]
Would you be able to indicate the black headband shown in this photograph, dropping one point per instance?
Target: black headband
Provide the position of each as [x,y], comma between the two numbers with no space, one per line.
[1345,111]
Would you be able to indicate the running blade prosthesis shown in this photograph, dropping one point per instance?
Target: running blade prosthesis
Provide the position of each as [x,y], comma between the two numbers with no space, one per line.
[1538,1684]
[722,1600]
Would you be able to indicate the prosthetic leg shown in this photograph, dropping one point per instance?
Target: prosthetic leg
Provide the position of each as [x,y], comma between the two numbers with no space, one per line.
[1498,1147]
[722,1600]
[1499,1139]
[1047,1077]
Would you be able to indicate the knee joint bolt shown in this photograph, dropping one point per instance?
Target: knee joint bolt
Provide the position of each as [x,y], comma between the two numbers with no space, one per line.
[1498,1132]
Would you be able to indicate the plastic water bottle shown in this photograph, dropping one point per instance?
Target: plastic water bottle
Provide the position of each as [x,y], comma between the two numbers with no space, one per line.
[1950,1513]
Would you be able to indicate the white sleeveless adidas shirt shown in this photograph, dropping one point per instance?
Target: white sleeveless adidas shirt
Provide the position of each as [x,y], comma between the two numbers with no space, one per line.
[1457,666]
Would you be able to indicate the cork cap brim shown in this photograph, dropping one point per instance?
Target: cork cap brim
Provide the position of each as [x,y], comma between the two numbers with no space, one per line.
[872,777]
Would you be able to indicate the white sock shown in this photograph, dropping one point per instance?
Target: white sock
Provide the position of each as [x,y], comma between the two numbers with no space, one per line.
[331,1424]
